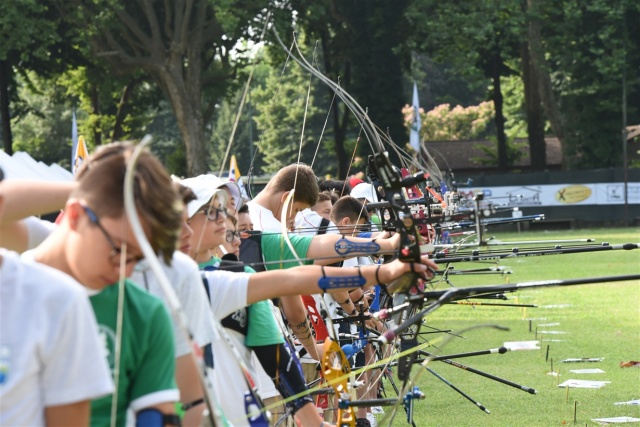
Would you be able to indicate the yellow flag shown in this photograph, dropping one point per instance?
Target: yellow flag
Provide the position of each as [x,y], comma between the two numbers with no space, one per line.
[234,173]
[81,154]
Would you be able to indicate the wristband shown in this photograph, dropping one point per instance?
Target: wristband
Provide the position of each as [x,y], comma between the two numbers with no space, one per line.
[377,272]
[190,405]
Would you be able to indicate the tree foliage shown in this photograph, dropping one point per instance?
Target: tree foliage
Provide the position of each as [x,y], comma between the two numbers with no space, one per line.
[453,124]
[185,46]
[34,38]
[359,47]
[283,107]
[175,68]
[590,55]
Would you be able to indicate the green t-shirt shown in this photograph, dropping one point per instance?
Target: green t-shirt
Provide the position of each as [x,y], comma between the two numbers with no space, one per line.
[262,328]
[274,248]
[147,363]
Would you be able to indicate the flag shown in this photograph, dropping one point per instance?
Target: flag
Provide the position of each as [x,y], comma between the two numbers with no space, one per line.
[81,154]
[414,138]
[74,138]
[234,173]
[236,176]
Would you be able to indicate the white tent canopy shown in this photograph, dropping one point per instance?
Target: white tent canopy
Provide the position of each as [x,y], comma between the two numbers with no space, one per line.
[22,166]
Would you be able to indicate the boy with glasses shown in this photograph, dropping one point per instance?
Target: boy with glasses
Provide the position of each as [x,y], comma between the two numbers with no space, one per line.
[95,244]
[46,325]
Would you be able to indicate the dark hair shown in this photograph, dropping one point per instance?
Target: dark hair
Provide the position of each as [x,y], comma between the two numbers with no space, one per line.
[244,209]
[323,197]
[302,176]
[340,187]
[100,183]
[350,207]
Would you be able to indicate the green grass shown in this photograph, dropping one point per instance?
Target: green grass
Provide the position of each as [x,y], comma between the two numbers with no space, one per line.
[600,320]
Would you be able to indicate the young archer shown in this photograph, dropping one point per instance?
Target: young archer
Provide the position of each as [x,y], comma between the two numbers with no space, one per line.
[94,244]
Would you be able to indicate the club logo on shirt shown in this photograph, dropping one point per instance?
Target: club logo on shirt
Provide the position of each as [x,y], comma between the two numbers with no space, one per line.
[108,339]
[5,358]
[240,316]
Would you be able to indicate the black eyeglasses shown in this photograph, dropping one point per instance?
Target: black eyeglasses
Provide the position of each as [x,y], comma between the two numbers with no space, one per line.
[114,257]
[214,213]
[230,235]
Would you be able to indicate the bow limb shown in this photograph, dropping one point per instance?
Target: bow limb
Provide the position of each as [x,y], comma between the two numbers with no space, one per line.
[244,97]
[154,262]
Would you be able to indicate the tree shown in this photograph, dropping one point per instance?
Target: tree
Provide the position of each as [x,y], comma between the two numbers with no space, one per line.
[446,123]
[44,129]
[186,47]
[481,35]
[359,42]
[34,38]
[586,61]
[281,107]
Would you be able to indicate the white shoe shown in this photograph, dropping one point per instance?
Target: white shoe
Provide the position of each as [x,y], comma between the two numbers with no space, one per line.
[377,410]
[372,419]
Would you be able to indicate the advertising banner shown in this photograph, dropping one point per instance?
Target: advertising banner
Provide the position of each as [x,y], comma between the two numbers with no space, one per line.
[611,193]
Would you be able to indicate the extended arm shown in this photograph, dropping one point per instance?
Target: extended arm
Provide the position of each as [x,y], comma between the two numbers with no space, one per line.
[304,279]
[28,198]
[330,248]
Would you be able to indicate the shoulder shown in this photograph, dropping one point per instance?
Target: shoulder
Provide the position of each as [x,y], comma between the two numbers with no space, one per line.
[37,230]
[181,260]
[40,280]
[140,296]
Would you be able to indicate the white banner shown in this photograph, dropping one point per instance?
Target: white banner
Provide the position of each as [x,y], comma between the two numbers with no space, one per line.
[611,193]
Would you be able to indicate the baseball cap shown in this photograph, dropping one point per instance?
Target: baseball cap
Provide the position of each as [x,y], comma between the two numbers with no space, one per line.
[205,187]
[354,181]
[365,191]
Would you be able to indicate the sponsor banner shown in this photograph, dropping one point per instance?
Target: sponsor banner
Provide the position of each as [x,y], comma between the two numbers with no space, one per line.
[611,193]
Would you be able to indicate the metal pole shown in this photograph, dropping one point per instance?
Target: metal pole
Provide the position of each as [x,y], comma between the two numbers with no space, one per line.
[250,138]
[625,171]
[624,124]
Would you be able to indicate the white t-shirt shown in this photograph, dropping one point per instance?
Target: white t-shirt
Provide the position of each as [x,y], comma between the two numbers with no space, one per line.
[308,222]
[50,352]
[37,230]
[263,219]
[186,281]
[228,293]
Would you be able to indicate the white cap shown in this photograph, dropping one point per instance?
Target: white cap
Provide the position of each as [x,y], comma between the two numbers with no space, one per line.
[207,186]
[364,191]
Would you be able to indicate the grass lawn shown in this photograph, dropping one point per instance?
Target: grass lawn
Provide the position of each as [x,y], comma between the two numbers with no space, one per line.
[595,321]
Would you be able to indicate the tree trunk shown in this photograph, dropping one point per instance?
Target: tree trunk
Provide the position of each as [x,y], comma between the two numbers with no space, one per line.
[496,65]
[340,136]
[5,114]
[539,65]
[340,120]
[189,118]
[535,119]
[95,104]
